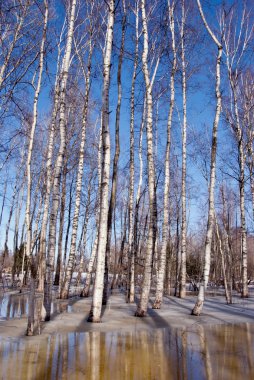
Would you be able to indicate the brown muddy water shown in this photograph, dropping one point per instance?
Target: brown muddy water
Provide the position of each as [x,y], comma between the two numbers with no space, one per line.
[215,353]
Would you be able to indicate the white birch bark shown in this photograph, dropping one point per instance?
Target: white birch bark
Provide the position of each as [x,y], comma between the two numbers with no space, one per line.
[146,284]
[223,264]
[162,263]
[131,257]
[241,161]
[45,215]
[112,202]
[32,266]
[58,165]
[59,268]
[234,53]
[19,206]
[87,284]
[140,182]
[210,223]
[182,285]
[86,289]
[95,313]
[83,239]
[71,261]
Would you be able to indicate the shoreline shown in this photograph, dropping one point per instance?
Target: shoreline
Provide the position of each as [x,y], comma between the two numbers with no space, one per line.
[118,316]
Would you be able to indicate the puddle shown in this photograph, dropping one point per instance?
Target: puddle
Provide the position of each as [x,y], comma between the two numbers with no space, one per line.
[220,352]
[16,306]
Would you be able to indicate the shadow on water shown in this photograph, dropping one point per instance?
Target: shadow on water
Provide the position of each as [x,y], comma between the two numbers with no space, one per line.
[221,352]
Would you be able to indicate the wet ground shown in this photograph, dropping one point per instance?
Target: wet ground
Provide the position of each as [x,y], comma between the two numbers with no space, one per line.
[167,344]
[221,352]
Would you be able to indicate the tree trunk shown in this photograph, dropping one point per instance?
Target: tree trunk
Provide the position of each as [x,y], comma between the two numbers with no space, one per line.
[70,266]
[84,231]
[131,258]
[162,263]
[3,202]
[44,223]
[95,312]
[112,202]
[227,293]
[32,265]
[58,166]
[182,285]
[210,223]
[59,268]
[86,289]
[146,284]
[241,161]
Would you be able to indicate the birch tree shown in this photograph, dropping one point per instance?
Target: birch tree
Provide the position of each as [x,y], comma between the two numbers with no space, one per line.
[146,284]
[48,171]
[211,215]
[95,312]
[70,265]
[112,201]
[86,289]
[130,293]
[235,49]
[59,162]
[30,325]
[182,290]
[162,263]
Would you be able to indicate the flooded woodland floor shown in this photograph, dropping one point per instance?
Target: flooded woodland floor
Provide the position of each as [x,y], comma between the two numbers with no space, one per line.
[167,344]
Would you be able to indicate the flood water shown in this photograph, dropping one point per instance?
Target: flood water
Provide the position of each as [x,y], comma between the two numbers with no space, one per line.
[16,306]
[219,352]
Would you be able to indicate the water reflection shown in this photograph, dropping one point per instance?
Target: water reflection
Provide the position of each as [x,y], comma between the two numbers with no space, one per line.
[16,306]
[221,352]
[13,306]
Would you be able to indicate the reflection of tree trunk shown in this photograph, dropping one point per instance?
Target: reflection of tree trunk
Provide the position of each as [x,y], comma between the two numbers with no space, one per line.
[206,353]
[95,357]
[249,347]
[185,355]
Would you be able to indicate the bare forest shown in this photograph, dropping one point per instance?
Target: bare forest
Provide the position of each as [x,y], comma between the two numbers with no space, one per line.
[126,152]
